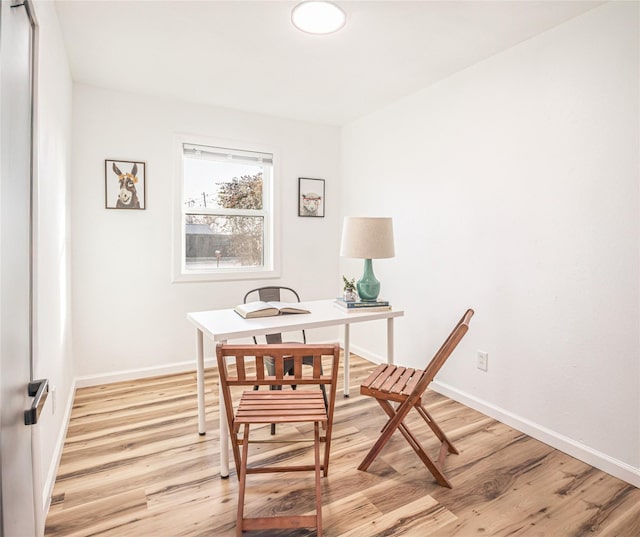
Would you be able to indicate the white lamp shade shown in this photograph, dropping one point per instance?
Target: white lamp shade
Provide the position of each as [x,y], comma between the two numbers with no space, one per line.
[367,237]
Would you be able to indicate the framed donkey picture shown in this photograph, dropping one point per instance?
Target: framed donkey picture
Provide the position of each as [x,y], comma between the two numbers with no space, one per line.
[125,184]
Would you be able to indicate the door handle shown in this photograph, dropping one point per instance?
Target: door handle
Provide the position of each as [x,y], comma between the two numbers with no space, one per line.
[38,389]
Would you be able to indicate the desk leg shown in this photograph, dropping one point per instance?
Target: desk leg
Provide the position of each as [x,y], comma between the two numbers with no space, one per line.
[390,357]
[346,360]
[200,381]
[224,436]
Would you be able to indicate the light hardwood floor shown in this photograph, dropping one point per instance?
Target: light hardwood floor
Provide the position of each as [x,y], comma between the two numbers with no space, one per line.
[134,466]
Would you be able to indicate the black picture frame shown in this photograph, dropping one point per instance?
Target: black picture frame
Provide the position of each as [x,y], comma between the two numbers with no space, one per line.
[311,200]
[125,184]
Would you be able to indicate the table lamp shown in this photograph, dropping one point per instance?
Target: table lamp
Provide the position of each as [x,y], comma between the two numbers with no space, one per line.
[367,238]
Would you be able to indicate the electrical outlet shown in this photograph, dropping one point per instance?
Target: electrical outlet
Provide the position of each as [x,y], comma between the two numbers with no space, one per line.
[483,361]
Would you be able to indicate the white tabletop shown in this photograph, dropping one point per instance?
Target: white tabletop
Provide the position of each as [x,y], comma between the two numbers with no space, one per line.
[222,325]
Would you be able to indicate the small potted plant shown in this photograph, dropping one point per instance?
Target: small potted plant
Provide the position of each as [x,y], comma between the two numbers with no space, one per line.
[349,288]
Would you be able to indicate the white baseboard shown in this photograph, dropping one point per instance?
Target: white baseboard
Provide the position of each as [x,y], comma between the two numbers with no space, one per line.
[50,480]
[567,445]
[367,355]
[143,372]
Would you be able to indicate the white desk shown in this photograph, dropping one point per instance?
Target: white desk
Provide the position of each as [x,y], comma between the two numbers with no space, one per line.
[223,325]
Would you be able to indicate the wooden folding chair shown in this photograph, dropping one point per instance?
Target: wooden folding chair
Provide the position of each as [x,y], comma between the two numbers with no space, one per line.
[404,386]
[263,407]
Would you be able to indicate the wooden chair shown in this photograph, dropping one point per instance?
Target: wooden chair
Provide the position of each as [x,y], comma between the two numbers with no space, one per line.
[260,408]
[279,294]
[405,387]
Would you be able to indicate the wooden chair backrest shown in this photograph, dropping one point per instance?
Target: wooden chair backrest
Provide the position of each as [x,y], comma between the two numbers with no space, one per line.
[441,357]
[249,368]
[249,364]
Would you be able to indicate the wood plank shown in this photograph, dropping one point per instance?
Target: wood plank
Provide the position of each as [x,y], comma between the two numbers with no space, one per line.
[99,516]
[420,517]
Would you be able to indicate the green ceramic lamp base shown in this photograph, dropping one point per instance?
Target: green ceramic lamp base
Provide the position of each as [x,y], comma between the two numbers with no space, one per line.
[368,286]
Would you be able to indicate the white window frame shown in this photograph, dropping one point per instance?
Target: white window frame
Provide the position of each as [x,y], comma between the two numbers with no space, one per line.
[270,211]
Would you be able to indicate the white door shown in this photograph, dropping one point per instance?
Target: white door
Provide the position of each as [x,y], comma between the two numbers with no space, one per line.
[18,514]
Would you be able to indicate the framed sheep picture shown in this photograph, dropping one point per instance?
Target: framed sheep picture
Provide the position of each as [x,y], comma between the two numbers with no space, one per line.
[310,197]
[124,184]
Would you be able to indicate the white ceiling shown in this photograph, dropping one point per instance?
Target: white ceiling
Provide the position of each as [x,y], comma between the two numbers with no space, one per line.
[247,55]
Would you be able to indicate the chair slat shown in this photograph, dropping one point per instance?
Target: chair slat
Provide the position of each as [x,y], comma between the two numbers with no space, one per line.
[279,366]
[273,381]
[404,381]
[260,367]
[393,376]
[383,374]
[416,377]
[278,394]
[374,375]
[240,371]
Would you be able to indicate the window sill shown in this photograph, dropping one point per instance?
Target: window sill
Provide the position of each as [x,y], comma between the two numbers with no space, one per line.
[220,275]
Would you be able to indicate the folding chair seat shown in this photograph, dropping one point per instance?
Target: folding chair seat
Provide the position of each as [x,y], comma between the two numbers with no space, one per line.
[260,408]
[399,389]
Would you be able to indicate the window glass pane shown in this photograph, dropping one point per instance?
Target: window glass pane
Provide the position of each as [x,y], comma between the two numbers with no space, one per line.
[223,241]
[228,185]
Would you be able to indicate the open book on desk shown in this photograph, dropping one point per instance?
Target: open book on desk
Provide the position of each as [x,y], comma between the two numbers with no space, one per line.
[252,310]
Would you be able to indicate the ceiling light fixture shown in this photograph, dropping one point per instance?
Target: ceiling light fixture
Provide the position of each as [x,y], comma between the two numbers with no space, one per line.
[318,17]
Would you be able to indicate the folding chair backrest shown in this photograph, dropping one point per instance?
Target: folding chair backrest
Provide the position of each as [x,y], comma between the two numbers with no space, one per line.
[249,364]
[278,294]
[441,357]
[249,370]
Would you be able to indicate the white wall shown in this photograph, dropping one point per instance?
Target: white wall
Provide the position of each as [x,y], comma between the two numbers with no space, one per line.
[127,313]
[52,322]
[514,190]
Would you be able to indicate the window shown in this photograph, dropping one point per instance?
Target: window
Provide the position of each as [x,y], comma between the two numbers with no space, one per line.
[227,213]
